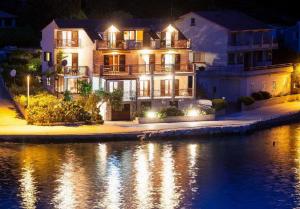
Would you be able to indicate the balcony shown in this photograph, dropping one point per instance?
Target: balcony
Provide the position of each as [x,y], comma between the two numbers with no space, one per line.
[160,93]
[253,45]
[129,96]
[81,71]
[176,44]
[183,92]
[144,93]
[64,43]
[143,69]
[119,44]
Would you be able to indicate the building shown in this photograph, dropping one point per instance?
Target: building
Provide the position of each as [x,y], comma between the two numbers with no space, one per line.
[147,59]
[7,20]
[290,37]
[233,53]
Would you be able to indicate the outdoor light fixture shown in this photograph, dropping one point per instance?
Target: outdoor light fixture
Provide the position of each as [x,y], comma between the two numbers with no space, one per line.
[193,113]
[170,28]
[28,82]
[151,114]
[113,29]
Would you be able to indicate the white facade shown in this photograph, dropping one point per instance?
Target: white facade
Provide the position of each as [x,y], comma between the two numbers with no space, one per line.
[230,61]
[84,52]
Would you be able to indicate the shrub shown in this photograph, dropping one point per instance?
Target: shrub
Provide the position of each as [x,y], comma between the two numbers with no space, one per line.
[257,96]
[219,104]
[208,111]
[46,109]
[67,96]
[266,95]
[170,111]
[247,100]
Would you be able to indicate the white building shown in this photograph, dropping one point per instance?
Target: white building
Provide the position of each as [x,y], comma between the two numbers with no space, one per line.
[233,54]
[147,59]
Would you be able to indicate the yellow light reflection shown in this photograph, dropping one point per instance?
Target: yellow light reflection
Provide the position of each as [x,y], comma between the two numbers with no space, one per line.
[112,199]
[170,197]
[143,180]
[193,153]
[28,187]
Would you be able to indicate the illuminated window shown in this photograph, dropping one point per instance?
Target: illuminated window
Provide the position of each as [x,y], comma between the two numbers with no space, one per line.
[47,56]
[129,35]
[199,57]
[139,35]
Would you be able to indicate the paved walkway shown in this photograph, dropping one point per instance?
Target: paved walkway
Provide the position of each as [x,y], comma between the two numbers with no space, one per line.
[8,114]
[11,125]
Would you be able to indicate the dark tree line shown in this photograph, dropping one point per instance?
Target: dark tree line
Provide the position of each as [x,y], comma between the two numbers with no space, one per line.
[37,13]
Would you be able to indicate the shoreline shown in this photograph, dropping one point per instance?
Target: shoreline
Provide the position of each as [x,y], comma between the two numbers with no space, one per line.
[156,134]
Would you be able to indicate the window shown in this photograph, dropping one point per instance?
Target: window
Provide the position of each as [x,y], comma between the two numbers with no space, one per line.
[48,81]
[240,58]
[144,88]
[129,35]
[231,59]
[47,56]
[190,82]
[165,87]
[259,56]
[193,22]
[269,55]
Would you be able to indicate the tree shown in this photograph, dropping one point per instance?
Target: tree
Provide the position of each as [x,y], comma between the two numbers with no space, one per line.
[85,88]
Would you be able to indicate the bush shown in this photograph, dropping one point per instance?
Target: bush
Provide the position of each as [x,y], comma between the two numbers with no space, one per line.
[219,104]
[208,111]
[266,95]
[46,109]
[257,96]
[170,111]
[247,100]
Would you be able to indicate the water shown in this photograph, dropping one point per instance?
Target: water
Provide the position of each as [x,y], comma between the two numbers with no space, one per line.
[227,172]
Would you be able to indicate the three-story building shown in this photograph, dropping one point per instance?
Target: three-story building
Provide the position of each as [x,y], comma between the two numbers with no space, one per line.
[147,59]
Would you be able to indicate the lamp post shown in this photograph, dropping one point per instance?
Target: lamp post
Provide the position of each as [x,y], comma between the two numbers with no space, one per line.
[28,81]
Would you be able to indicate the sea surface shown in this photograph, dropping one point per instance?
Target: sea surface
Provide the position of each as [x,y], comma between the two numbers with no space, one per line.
[257,171]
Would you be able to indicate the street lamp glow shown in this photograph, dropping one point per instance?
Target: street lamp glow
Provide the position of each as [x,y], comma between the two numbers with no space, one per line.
[151,114]
[193,113]
[28,82]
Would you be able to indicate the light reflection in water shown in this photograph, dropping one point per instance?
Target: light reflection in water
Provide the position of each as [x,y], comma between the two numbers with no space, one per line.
[112,199]
[193,153]
[27,186]
[143,177]
[170,196]
[72,185]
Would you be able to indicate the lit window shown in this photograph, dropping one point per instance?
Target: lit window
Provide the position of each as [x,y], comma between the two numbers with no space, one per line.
[48,81]
[129,35]
[199,57]
[47,56]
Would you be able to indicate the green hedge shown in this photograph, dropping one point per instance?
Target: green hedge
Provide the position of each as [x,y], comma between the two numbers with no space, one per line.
[261,95]
[219,104]
[247,100]
[170,111]
[46,109]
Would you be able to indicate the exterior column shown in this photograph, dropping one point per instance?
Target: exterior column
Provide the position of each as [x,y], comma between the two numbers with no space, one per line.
[173,84]
[194,86]
[151,85]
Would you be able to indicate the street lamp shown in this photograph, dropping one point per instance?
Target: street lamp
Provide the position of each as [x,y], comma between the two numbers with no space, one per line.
[28,81]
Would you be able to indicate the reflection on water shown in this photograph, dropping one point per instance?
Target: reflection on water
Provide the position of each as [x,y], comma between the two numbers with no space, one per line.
[195,173]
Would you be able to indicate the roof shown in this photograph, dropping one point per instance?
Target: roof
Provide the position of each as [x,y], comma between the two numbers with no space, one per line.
[6,15]
[233,20]
[94,26]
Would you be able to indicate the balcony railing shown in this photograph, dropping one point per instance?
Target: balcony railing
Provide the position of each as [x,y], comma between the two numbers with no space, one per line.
[143,69]
[129,95]
[133,44]
[144,93]
[161,93]
[67,43]
[73,71]
[184,92]
[177,44]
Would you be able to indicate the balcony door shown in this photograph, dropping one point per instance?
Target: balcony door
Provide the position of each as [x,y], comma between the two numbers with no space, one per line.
[144,88]
[148,62]
[165,88]
[114,62]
